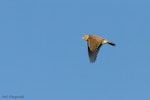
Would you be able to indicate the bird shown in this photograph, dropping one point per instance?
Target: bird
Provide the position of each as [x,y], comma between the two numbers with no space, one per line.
[94,44]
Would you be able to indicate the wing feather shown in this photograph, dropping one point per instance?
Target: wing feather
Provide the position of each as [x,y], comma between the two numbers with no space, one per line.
[93,54]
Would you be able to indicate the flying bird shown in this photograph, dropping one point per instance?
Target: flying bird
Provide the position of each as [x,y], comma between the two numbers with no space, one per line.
[94,43]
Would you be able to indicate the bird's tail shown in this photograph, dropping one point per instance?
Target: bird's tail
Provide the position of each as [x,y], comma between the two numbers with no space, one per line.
[113,44]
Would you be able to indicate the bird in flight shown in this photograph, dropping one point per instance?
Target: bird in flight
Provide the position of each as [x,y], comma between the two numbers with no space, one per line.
[94,43]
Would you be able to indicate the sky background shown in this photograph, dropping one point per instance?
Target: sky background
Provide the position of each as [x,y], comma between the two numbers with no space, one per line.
[42,55]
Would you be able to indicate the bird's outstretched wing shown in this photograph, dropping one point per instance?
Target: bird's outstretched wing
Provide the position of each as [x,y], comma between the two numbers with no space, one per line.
[93,54]
[94,44]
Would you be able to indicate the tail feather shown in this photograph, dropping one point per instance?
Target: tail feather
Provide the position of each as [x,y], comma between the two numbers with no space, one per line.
[113,44]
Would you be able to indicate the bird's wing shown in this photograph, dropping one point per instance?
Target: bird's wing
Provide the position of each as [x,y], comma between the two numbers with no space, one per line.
[93,54]
[94,45]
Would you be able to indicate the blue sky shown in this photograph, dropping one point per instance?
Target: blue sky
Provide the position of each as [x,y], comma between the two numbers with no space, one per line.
[43,57]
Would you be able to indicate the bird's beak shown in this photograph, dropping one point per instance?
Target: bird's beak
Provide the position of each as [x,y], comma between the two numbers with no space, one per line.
[85,37]
[82,38]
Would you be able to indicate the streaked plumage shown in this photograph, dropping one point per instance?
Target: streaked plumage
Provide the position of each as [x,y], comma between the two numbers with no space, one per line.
[94,44]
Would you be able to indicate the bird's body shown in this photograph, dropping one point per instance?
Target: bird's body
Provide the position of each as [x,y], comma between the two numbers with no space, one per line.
[94,44]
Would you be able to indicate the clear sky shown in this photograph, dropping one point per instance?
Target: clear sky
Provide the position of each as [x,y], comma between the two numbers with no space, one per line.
[42,55]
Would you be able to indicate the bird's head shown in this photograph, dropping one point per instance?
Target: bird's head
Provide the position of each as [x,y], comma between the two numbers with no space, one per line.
[85,37]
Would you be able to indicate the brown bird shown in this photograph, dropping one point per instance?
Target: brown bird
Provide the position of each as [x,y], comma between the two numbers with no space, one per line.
[94,44]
